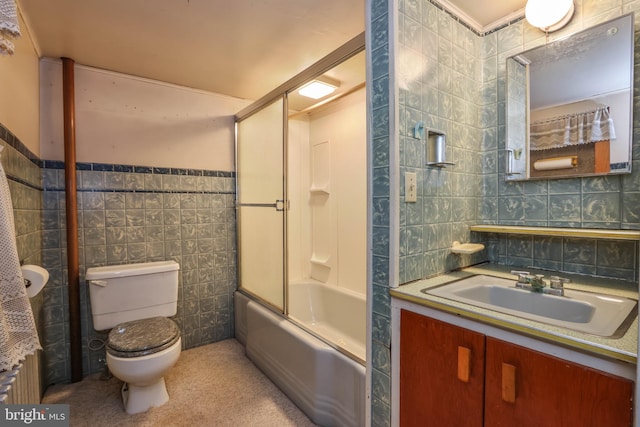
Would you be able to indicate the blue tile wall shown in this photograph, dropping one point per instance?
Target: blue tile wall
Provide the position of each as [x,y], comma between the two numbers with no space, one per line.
[590,202]
[452,79]
[380,155]
[440,86]
[130,214]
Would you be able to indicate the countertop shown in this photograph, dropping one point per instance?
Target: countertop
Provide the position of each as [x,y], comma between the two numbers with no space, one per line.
[623,348]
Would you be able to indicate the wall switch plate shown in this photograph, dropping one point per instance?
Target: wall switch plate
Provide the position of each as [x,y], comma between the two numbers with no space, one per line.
[410,187]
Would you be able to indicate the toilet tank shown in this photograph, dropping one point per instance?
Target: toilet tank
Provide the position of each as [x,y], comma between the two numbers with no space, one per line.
[121,293]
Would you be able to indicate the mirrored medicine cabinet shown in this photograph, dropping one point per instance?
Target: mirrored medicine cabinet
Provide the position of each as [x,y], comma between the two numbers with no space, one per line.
[569,105]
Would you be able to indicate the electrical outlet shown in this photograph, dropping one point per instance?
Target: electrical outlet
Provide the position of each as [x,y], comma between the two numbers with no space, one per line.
[410,187]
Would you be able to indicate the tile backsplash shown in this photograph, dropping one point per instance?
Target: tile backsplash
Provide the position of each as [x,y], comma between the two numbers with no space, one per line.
[616,259]
[452,79]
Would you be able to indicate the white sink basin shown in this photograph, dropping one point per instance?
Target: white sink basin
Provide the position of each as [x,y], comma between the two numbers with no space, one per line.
[593,313]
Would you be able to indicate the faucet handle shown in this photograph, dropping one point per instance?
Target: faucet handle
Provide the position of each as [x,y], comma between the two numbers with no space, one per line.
[558,282]
[520,273]
[522,277]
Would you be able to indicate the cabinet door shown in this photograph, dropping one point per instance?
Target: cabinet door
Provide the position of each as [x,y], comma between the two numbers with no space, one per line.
[441,373]
[527,388]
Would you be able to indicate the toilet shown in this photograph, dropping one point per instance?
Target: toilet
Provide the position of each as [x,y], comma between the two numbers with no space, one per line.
[135,301]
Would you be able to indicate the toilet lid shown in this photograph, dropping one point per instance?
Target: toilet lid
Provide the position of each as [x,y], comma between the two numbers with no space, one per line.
[142,337]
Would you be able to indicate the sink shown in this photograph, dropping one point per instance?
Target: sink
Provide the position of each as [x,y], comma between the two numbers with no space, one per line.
[589,312]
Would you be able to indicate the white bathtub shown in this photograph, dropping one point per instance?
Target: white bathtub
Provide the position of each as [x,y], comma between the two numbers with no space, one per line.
[325,383]
[335,314]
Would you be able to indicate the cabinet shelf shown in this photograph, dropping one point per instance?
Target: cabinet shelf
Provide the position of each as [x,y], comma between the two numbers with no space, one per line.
[590,233]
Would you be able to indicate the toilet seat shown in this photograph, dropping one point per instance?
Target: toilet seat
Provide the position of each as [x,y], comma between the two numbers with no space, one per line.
[142,337]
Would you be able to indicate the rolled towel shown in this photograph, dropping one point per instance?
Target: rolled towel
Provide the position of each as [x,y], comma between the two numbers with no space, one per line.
[554,163]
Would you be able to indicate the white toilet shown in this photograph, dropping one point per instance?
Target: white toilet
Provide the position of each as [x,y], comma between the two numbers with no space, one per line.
[135,301]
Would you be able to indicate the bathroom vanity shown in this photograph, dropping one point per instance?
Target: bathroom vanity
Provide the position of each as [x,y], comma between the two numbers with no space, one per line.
[460,364]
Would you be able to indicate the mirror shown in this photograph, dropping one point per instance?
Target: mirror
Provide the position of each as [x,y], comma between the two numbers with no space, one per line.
[570,105]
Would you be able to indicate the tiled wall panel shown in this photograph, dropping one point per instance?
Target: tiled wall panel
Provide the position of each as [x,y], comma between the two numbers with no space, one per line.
[441,87]
[130,214]
[589,202]
[380,154]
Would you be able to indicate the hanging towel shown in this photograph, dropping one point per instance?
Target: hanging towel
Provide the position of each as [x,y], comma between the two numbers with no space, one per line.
[9,28]
[18,334]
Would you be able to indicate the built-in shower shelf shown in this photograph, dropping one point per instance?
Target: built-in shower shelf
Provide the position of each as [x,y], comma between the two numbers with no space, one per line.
[319,190]
[320,261]
[591,233]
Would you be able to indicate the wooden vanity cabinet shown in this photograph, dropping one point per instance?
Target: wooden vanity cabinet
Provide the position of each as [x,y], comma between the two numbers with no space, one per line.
[507,385]
[441,373]
[527,388]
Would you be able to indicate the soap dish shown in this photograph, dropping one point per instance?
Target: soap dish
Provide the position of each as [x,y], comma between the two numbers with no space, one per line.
[466,248]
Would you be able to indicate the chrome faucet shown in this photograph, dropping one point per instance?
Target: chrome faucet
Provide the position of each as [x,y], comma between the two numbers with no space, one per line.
[531,282]
[556,286]
[536,283]
[522,278]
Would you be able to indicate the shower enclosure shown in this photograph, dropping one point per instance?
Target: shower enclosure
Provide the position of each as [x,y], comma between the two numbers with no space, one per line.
[301,215]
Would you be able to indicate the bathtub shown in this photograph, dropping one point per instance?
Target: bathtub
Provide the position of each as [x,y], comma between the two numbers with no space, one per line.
[323,380]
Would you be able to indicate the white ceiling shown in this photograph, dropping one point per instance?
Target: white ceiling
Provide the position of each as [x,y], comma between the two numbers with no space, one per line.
[485,14]
[241,48]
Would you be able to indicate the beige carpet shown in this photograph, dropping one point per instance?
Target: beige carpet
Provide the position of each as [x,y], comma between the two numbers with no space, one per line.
[212,385]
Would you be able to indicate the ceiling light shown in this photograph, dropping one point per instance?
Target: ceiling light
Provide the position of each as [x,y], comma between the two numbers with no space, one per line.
[549,15]
[316,89]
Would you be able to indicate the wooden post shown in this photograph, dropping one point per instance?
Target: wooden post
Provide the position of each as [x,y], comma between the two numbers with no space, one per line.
[75,331]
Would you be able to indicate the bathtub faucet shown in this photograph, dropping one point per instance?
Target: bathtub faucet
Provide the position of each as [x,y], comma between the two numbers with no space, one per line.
[536,283]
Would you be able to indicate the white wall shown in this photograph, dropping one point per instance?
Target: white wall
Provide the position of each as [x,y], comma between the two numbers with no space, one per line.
[298,187]
[19,96]
[343,124]
[123,119]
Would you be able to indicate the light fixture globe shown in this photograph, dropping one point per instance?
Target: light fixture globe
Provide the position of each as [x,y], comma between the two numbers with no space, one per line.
[549,15]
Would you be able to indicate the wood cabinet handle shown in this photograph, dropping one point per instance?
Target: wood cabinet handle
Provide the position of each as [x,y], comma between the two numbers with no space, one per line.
[508,383]
[464,360]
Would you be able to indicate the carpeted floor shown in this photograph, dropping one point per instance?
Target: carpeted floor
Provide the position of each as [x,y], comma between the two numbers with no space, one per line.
[212,385]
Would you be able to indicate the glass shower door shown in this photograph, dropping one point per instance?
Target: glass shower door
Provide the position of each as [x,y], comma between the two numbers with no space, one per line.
[261,204]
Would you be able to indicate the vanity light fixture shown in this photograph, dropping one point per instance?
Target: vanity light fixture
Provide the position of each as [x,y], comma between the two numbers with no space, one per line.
[319,88]
[549,15]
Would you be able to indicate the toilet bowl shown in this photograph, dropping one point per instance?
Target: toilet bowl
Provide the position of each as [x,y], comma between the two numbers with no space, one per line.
[135,301]
[139,353]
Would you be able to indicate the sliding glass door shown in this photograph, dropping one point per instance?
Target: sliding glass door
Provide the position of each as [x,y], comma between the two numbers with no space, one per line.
[261,203]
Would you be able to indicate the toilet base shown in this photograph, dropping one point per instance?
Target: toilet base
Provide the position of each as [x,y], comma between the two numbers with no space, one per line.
[138,398]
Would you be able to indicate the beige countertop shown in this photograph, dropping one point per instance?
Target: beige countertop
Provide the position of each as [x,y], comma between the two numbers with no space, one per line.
[623,348]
